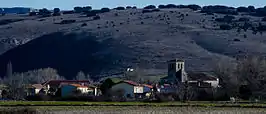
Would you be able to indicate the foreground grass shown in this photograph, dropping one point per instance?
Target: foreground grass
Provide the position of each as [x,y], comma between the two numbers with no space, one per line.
[164,104]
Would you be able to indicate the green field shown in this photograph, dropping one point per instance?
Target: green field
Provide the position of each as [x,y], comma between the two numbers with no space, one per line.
[165,104]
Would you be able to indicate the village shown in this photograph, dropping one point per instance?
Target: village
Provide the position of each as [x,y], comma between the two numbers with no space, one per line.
[177,85]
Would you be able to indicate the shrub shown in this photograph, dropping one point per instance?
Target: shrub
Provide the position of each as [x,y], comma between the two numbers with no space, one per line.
[7,21]
[242,9]
[44,12]
[91,13]
[86,8]
[219,9]
[225,27]
[67,21]
[243,19]
[261,27]
[156,10]
[32,13]
[236,40]
[194,7]
[260,12]
[251,9]
[161,6]
[245,36]
[96,17]
[120,8]
[103,10]
[171,6]
[128,7]
[134,7]
[263,19]
[150,7]
[68,12]
[226,18]
[56,12]
[78,9]
[84,24]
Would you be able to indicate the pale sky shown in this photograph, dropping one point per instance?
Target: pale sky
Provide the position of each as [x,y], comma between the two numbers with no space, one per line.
[69,4]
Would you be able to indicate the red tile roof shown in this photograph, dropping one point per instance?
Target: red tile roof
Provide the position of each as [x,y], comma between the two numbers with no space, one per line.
[79,86]
[131,82]
[146,85]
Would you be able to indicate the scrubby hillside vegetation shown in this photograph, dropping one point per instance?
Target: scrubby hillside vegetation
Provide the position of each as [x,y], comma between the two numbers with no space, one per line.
[107,41]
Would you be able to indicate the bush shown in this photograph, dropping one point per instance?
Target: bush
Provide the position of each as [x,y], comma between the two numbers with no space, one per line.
[263,19]
[251,9]
[260,12]
[261,27]
[128,7]
[44,12]
[68,12]
[103,10]
[67,21]
[171,6]
[84,24]
[227,19]
[92,13]
[150,7]
[194,7]
[225,27]
[156,10]
[236,40]
[150,11]
[242,9]
[56,12]
[97,17]
[32,13]
[78,9]
[86,8]
[7,21]
[219,9]
[134,7]
[120,8]
[243,19]
[161,6]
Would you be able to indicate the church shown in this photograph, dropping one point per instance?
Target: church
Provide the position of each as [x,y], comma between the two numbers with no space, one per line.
[177,74]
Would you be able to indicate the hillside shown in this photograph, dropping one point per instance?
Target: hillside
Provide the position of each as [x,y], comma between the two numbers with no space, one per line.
[121,39]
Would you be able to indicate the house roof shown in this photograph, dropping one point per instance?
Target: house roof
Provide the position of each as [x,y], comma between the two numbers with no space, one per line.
[37,86]
[79,86]
[65,81]
[146,85]
[131,82]
[201,76]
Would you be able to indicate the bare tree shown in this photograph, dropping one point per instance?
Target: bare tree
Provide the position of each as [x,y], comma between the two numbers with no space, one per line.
[229,82]
[185,91]
[251,71]
[15,86]
[9,69]
[81,76]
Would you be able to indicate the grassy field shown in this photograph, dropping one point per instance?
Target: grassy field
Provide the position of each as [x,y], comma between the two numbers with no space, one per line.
[129,110]
[164,104]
